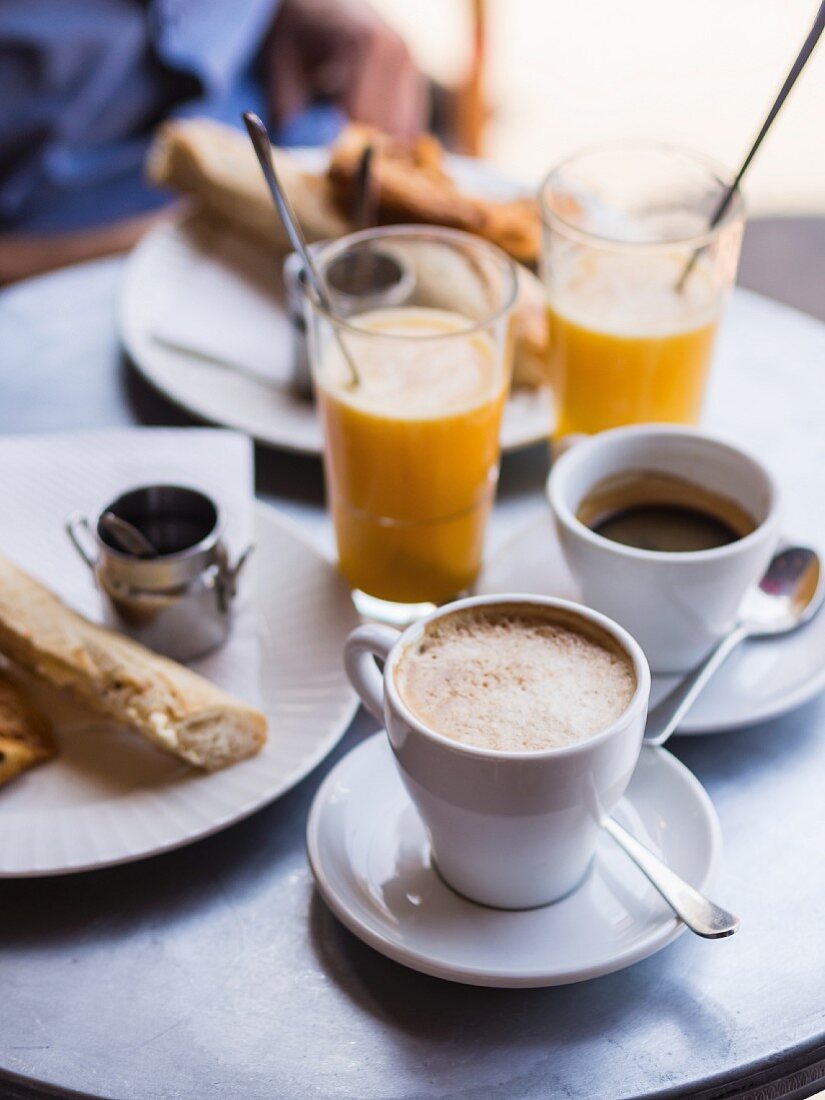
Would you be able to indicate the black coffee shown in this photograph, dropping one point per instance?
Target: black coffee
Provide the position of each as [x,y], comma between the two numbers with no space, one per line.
[654,511]
[660,527]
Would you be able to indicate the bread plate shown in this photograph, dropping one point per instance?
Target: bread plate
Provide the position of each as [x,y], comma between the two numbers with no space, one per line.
[108,797]
[219,394]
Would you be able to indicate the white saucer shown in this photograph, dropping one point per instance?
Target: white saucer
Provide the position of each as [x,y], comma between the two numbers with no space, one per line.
[762,679]
[265,409]
[369,853]
[109,797]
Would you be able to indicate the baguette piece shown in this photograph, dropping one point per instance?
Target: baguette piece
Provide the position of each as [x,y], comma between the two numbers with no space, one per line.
[25,734]
[216,165]
[169,705]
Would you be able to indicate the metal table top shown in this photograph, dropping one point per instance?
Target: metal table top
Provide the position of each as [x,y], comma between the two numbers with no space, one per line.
[216,971]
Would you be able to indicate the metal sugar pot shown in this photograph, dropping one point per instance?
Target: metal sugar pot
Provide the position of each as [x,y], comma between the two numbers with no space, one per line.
[169,584]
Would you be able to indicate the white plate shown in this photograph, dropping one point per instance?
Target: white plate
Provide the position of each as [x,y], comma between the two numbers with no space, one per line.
[111,798]
[370,856]
[262,409]
[760,680]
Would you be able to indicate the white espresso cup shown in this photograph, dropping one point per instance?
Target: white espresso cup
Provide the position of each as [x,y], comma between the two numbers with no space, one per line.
[507,829]
[678,605]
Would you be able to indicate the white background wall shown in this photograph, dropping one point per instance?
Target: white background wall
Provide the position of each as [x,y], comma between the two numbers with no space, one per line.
[703,73]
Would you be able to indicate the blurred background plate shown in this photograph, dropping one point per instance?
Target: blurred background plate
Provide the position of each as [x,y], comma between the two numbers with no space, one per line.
[221,394]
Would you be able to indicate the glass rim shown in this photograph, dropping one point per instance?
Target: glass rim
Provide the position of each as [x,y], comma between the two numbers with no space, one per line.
[429,232]
[553,220]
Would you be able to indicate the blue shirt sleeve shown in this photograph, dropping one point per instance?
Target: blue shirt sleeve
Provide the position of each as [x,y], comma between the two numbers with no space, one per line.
[84,83]
[215,40]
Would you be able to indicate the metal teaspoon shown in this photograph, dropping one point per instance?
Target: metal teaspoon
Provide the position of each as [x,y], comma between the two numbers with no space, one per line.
[700,914]
[790,593]
[263,150]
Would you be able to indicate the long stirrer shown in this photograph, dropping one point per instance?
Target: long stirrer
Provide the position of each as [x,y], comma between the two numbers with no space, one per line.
[790,79]
[263,150]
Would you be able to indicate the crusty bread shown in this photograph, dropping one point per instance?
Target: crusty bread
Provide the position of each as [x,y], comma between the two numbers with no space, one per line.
[531,359]
[451,280]
[216,165]
[168,704]
[25,734]
[412,185]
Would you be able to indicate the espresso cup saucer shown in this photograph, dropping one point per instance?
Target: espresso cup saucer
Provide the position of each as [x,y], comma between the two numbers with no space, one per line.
[370,856]
[763,679]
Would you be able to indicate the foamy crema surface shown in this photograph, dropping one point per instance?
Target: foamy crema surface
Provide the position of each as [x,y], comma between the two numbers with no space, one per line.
[514,679]
[414,378]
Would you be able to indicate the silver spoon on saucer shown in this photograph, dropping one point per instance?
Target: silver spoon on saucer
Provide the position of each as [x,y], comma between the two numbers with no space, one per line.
[790,594]
[700,914]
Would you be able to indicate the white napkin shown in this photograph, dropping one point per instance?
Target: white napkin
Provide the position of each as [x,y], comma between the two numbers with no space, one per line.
[46,477]
[225,304]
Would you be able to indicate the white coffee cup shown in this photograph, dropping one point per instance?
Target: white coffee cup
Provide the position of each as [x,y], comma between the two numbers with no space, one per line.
[676,605]
[508,829]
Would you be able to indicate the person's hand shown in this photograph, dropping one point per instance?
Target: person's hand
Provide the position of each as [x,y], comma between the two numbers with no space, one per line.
[343,52]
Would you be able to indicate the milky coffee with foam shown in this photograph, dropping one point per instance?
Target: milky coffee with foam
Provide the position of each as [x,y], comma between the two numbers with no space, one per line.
[515,678]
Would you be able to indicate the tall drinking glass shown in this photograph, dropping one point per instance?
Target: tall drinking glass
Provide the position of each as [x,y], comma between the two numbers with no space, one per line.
[412,443]
[630,339]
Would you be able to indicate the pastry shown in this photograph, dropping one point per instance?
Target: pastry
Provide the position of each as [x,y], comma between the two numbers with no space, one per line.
[450,280]
[411,185]
[25,735]
[531,331]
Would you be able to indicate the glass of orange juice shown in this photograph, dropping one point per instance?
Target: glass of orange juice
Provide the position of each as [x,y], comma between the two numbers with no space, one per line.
[631,335]
[411,447]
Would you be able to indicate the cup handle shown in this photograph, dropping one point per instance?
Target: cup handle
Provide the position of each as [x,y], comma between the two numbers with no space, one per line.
[362,647]
[228,578]
[74,525]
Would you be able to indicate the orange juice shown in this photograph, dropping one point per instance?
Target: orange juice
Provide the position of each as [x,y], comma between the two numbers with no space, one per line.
[631,348]
[412,452]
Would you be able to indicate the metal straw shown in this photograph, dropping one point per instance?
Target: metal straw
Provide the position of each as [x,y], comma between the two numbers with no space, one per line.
[263,150]
[364,215]
[363,206]
[790,79]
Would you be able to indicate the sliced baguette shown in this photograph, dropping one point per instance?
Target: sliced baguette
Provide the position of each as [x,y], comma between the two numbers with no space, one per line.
[216,165]
[166,703]
[25,735]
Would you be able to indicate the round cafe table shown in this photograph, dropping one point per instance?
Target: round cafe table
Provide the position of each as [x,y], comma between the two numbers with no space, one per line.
[217,971]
